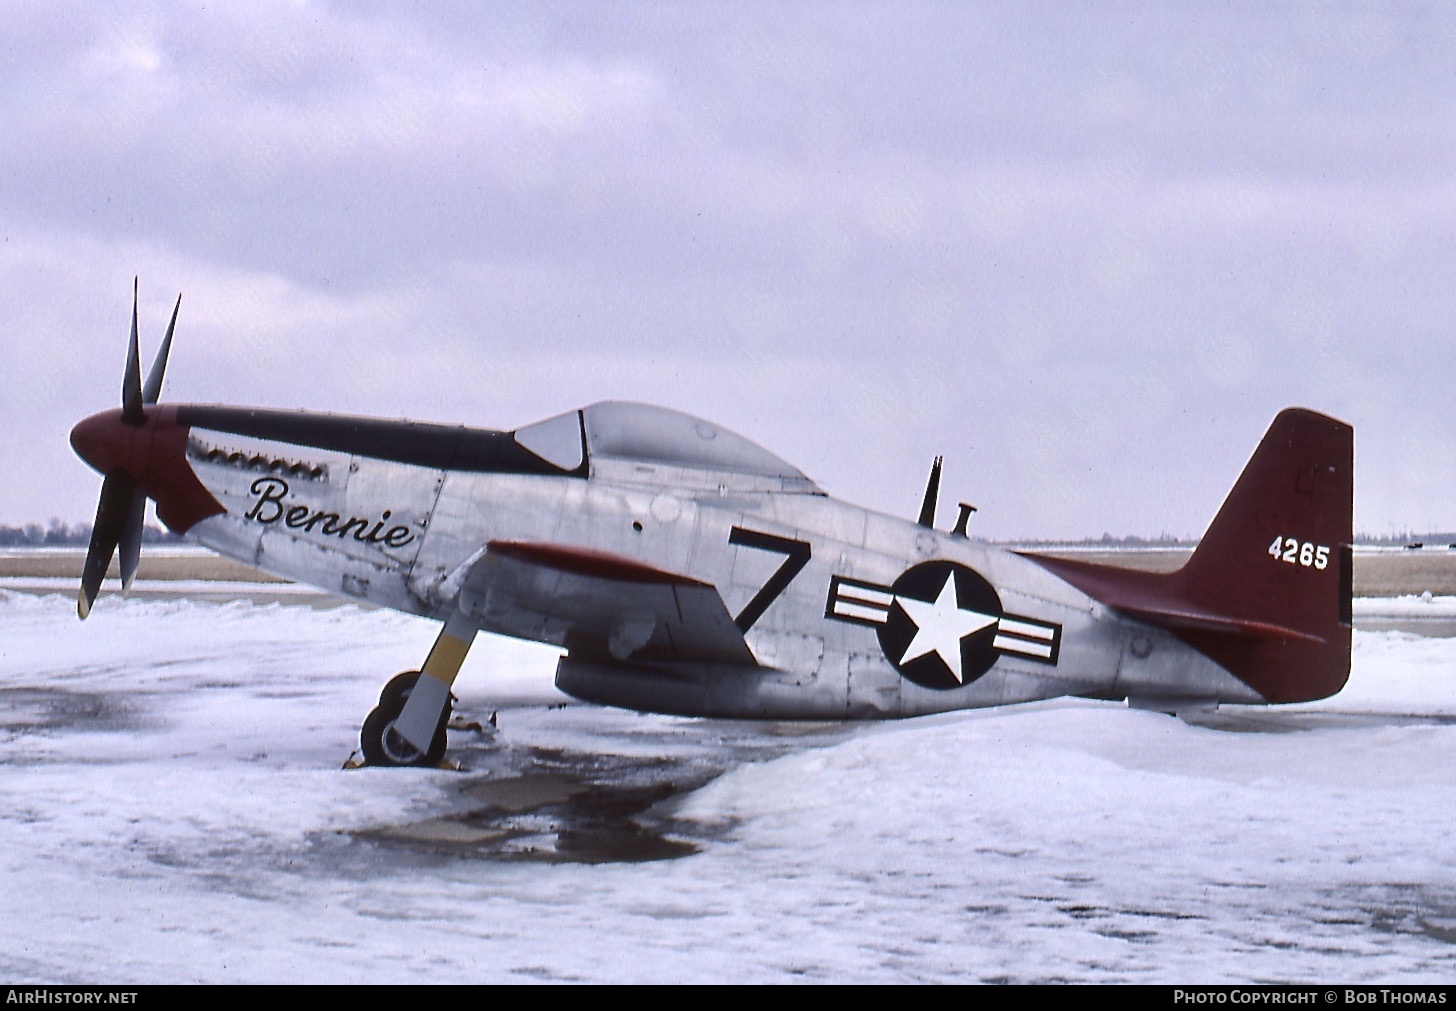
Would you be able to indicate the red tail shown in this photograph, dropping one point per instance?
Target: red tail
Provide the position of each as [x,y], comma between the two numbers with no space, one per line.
[1267,593]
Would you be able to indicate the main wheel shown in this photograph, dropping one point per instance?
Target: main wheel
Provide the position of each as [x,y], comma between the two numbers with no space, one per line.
[394,694]
[386,746]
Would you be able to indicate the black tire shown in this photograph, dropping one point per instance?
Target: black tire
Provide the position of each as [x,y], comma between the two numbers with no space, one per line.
[384,746]
[394,695]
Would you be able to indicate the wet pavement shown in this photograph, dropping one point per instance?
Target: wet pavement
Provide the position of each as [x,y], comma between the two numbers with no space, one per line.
[529,803]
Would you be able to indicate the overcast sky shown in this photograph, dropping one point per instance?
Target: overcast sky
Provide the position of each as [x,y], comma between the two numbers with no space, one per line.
[1084,251]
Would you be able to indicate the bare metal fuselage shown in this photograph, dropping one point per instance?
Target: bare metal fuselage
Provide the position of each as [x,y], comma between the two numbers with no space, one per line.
[409,537]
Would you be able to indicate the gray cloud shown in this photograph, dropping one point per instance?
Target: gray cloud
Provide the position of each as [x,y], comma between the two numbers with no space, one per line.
[1085,254]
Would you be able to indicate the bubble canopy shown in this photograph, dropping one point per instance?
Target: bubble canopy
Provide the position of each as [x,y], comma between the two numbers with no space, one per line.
[645,433]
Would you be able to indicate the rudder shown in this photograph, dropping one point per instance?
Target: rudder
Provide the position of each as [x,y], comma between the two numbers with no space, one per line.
[1266,595]
[1278,554]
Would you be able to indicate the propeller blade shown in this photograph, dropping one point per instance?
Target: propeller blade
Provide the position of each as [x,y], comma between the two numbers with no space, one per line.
[111,516]
[130,545]
[153,389]
[131,382]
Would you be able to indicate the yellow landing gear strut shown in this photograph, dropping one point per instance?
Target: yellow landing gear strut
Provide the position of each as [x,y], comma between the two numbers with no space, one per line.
[408,726]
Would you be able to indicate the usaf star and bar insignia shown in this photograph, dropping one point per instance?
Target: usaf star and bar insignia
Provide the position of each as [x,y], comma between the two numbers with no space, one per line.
[941,624]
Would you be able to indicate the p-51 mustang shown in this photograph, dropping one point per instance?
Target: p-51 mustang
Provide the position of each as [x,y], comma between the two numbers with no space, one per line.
[684,569]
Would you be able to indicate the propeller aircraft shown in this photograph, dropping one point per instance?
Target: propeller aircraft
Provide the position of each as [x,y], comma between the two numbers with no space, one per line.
[684,569]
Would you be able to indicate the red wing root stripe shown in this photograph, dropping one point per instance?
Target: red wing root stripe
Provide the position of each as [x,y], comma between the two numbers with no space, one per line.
[587,562]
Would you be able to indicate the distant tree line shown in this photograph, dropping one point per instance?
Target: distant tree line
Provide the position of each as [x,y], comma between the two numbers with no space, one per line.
[1403,538]
[1111,542]
[56,534]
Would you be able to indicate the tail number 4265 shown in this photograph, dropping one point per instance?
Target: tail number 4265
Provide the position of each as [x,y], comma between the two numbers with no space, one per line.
[1297,552]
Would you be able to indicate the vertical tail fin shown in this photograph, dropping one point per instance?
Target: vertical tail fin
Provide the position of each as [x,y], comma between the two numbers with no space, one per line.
[1266,595]
[1278,553]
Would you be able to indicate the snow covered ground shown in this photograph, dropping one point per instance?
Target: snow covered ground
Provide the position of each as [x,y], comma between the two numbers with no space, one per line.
[172,809]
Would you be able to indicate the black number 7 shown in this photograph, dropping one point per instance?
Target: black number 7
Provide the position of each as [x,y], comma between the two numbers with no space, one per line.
[796,556]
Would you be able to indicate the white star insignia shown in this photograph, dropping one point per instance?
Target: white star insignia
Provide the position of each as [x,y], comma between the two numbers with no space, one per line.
[940,627]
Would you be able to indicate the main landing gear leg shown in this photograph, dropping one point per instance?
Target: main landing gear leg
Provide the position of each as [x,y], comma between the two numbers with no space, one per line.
[408,726]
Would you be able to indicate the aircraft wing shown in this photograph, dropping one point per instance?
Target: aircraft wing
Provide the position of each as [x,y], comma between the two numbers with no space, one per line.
[595,603]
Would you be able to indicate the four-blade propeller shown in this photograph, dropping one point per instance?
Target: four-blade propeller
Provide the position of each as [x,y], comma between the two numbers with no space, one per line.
[122,507]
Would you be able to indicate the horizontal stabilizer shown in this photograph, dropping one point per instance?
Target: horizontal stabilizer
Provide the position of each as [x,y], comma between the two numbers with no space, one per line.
[1152,598]
[1266,595]
[1193,619]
